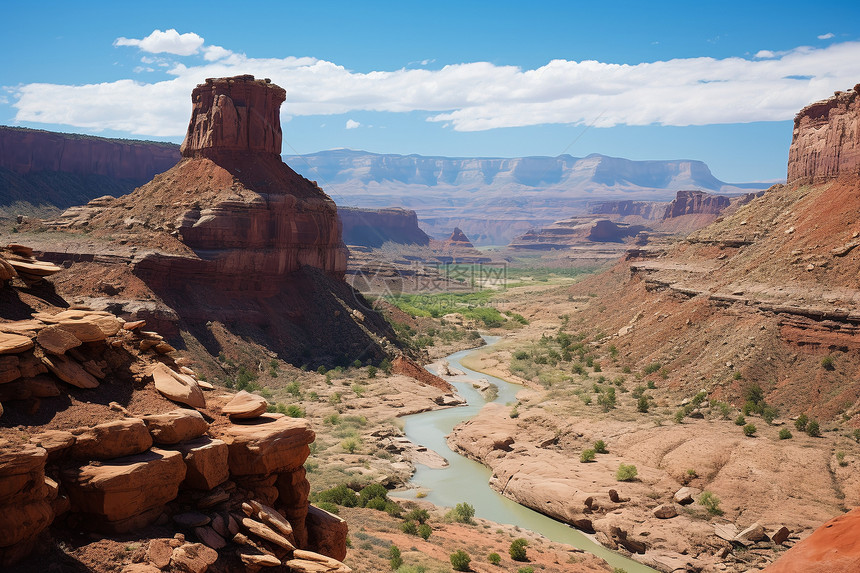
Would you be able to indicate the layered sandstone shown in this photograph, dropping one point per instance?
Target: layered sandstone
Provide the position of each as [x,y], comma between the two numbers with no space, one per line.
[459,239]
[826,140]
[696,203]
[374,227]
[834,547]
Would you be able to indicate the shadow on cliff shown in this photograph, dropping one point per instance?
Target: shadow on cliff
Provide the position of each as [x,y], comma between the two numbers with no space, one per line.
[21,303]
[308,318]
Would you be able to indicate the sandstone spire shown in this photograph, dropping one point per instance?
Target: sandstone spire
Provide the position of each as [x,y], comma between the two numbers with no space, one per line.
[230,115]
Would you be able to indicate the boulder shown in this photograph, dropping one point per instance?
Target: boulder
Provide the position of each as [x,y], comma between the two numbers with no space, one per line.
[159,552]
[210,537]
[751,534]
[205,462]
[264,532]
[55,442]
[665,511]
[22,473]
[259,560]
[175,426]
[245,405]
[111,440]
[9,369]
[780,535]
[177,387]
[726,531]
[193,558]
[269,444]
[191,519]
[23,521]
[124,487]
[685,495]
[326,533]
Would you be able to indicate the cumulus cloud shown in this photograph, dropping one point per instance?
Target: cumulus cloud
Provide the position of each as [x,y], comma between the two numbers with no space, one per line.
[826,36]
[215,53]
[169,41]
[352,124]
[478,95]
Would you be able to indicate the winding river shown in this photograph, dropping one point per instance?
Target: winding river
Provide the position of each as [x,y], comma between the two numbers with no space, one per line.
[467,480]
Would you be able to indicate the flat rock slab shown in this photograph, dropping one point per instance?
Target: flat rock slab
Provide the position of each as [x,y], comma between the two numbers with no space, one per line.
[272,443]
[14,343]
[57,340]
[176,426]
[124,487]
[115,439]
[191,519]
[22,471]
[245,405]
[178,387]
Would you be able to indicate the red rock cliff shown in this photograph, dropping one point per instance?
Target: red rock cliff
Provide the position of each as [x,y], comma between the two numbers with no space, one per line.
[826,139]
[696,203]
[373,227]
[238,114]
[25,151]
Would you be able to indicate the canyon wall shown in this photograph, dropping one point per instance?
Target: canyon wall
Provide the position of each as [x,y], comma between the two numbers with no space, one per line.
[826,139]
[373,227]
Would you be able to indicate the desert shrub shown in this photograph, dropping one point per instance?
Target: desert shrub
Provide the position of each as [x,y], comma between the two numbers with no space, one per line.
[358,389]
[650,385]
[394,558]
[607,399]
[424,531]
[813,429]
[724,408]
[376,503]
[827,363]
[371,371]
[494,558]
[769,414]
[856,435]
[784,434]
[638,392]
[515,412]
[460,560]
[711,503]
[409,528]
[335,398]
[750,430]
[393,509]
[740,420]
[642,404]
[341,495]
[626,472]
[463,513]
[521,355]
[526,569]
[586,456]
[328,506]
[518,549]
[419,515]
[840,457]
[385,366]
[372,491]
[600,447]
[652,368]
[294,411]
[350,445]
[680,415]
[800,422]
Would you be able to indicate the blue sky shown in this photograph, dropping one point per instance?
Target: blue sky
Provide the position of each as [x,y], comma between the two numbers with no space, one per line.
[716,81]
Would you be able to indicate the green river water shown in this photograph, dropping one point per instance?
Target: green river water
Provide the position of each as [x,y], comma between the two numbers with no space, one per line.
[466,480]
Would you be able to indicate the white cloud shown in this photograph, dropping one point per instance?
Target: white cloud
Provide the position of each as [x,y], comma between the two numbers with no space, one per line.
[215,53]
[352,124]
[169,41]
[765,54]
[826,36]
[476,96]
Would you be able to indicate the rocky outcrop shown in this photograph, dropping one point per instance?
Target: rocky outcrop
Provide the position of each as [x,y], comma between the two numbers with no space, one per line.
[696,203]
[826,140]
[647,210]
[574,232]
[834,547]
[459,239]
[232,234]
[373,227]
[238,114]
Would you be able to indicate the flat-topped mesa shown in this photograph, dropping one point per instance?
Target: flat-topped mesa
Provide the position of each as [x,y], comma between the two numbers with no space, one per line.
[235,115]
[826,139]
